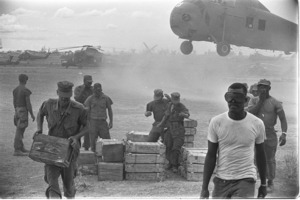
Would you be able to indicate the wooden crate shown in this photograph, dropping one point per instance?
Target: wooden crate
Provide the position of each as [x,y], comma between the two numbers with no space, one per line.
[188,138]
[88,169]
[86,157]
[145,176]
[188,144]
[99,144]
[190,176]
[195,167]
[111,150]
[190,131]
[110,171]
[186,150]
[144,167]
[196,157]
[135,136]
[51,150]
[190,123]
[145,147]
[144,158]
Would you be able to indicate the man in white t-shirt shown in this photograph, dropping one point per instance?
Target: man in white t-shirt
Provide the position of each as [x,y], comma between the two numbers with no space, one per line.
[234,135]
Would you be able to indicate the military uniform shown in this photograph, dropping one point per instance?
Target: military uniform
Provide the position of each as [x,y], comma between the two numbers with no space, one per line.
[158,107]
[63,124]
[97,116]
[174,137]
[81,93]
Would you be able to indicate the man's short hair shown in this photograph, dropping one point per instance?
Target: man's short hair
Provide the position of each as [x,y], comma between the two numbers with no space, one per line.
[23,78]
[239,86]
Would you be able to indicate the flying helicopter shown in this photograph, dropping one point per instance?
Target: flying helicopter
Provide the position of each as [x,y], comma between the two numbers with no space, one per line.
[245,23]
[87,56]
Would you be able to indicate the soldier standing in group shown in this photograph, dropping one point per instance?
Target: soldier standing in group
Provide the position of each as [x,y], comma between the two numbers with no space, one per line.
[97,104]
[22,105]
[158,106]
[81,93]
[267,108]
[174,137]
[66,119]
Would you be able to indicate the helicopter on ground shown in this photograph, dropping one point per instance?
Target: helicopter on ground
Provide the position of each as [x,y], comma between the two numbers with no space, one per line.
[245,23]
[87,56]
[33,55]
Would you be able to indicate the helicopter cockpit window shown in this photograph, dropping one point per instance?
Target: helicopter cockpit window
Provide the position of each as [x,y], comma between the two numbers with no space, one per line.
[261,24]
[249,22]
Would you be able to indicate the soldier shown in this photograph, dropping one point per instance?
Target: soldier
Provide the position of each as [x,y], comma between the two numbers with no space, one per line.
[158,106]
[232,136]
[267,108]
[81,93]
[66,119]
[174,137]
[22,105]
[97,104]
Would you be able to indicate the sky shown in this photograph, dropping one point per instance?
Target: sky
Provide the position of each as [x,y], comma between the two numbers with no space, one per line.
[120,24]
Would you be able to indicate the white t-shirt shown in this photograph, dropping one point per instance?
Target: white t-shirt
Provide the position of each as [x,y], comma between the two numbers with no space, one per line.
[237,139]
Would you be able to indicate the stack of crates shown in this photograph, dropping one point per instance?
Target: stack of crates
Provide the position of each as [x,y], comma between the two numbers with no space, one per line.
[192,163]
[110,159]
[144,161]
[190,131]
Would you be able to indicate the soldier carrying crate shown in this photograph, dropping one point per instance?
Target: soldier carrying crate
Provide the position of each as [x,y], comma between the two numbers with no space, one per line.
[65,118]
[174,137]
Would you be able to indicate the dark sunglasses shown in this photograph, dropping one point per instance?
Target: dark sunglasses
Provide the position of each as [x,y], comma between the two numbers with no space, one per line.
[237,97]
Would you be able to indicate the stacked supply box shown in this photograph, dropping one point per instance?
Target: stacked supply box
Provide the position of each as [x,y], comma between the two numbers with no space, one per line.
[87,163]
[190,131]
[144,161]
[137,136]
[110,158]
[192,163]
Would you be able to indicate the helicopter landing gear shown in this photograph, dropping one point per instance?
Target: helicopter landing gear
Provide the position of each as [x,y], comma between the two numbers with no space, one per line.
[223,48]
[186,47]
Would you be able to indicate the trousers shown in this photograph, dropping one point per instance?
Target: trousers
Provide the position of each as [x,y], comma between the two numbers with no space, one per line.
[98,128]
[155,133]
[224,189]
[68,174]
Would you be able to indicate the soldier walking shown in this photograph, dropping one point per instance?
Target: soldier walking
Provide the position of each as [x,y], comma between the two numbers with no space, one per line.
[81,93]
[22,105]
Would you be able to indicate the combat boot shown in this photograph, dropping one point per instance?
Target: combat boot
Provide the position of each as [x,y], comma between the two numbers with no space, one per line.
[270,187]
[20,153]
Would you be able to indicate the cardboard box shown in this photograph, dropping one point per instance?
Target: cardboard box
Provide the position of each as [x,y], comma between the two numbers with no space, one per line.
[51,150]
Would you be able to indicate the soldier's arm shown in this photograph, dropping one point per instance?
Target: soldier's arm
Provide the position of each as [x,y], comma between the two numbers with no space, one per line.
[254,107]
[209,166]
[283,122]
[184,112]
[29,107]
[40,118]
[110,115]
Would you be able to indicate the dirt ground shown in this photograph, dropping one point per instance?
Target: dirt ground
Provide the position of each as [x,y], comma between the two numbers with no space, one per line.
[202,83]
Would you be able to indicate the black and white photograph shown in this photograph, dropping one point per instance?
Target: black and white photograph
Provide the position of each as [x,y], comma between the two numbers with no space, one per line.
[149,99]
